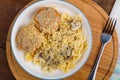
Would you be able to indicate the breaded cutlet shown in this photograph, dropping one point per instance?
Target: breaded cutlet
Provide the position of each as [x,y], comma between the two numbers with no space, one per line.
[29,38]
[47,18]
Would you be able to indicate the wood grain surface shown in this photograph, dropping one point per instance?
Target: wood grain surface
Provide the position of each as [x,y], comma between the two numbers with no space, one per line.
[8,10]
[97,21]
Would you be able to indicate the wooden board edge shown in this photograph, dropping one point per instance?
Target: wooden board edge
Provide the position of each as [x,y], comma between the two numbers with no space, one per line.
[8,47]
[8,39]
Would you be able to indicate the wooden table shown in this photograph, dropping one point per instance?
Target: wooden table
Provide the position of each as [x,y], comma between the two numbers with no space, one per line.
[8,10]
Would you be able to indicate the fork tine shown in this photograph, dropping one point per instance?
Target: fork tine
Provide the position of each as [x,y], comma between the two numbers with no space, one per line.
[106,25]
[114,24]
[110,26]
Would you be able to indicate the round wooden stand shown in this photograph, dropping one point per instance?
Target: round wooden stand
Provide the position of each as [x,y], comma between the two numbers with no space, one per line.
[97,18]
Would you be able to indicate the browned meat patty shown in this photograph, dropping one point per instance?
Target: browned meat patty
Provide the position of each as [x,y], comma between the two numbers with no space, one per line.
[47,19]
[29,38]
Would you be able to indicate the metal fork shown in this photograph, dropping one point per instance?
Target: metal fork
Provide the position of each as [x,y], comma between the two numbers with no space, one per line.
[105,38]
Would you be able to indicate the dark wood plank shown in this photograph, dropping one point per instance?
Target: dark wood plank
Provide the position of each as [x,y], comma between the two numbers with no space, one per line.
[8,10]
[105,4]
[5,73]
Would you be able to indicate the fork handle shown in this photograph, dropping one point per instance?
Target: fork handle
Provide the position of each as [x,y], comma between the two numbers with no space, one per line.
[92,75]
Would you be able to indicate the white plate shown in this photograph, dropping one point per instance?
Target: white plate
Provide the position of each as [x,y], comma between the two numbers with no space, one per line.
[24,18]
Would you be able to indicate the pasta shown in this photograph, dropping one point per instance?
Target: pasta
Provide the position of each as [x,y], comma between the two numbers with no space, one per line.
[63,48]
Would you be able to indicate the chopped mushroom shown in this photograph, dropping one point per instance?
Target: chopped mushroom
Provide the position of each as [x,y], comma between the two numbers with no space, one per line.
[75,25]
